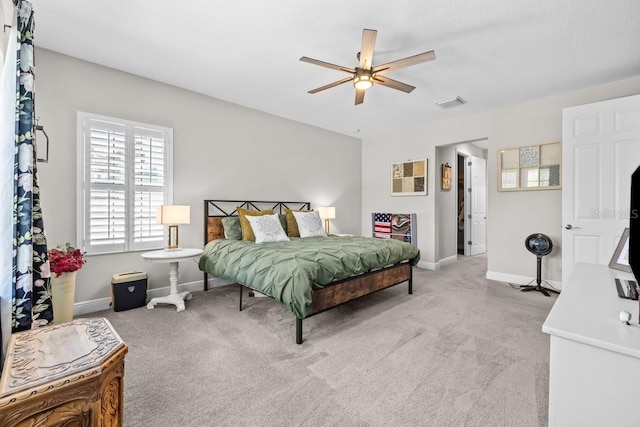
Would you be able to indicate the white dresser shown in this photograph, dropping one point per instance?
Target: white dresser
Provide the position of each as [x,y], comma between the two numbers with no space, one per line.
[594,366]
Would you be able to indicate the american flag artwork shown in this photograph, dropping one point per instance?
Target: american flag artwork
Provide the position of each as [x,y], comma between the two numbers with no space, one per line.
[395,226]
[382,225]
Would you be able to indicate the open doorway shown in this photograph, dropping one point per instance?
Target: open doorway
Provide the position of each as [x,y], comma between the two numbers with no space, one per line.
[460,223]
[460,199]
[471,208]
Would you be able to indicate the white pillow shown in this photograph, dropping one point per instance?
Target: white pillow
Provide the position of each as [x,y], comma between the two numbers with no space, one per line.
[309,224]
[267,228]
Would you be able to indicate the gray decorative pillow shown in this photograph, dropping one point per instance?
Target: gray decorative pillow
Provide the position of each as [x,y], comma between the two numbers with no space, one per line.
[309,224]
[267,228]
[283,221]
[232,228]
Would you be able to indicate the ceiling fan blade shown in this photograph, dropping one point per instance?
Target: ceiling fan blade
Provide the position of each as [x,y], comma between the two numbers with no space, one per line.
[393,84]
[359,96]
[330,85]
[366,50]
[327,65]
[405,62]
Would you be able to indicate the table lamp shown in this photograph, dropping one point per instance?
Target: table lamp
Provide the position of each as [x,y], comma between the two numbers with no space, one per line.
[327,213]
[173,215]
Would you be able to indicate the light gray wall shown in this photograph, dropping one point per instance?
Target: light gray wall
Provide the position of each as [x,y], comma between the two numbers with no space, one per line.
[221,150]
[445,215]
[511,215]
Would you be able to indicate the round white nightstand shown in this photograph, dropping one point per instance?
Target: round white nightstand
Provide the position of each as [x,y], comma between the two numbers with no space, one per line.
[172,257]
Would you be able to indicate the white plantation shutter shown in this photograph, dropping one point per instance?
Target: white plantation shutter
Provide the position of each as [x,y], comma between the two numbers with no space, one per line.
[125,175]
[149,181]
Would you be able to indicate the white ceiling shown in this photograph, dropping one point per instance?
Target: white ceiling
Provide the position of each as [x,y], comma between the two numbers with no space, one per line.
[489,52]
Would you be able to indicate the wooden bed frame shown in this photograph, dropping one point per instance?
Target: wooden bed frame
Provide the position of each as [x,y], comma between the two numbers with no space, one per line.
[324,298]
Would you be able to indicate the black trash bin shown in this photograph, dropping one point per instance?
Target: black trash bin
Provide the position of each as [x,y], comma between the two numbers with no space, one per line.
[129,290]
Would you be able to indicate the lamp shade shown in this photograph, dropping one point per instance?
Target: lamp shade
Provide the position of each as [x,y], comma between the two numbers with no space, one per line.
[327,212]
[173,214]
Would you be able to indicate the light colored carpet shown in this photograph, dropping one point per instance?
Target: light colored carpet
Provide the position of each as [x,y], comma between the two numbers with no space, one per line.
[461,351]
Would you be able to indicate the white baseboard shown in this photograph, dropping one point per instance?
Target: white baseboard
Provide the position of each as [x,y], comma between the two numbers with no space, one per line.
[448,260]
[85,307]
[216,283]
[519,280]
[436,265]
[427,265]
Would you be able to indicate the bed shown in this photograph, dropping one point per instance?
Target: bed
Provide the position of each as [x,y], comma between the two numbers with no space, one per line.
[307,275]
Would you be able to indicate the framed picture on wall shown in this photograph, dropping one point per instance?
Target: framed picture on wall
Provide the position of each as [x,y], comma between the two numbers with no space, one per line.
[531,167]
[409,178]
[446,176]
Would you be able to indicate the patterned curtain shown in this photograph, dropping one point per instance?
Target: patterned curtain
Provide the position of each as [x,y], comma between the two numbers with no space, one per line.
[31,298]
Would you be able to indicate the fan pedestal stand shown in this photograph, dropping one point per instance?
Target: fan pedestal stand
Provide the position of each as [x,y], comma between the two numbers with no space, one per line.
[538,281]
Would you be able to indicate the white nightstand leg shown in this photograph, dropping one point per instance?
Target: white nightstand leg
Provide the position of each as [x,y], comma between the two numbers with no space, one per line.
[173,277]
[176,298]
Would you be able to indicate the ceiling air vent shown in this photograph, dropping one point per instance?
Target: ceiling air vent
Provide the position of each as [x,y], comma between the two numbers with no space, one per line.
[450,103]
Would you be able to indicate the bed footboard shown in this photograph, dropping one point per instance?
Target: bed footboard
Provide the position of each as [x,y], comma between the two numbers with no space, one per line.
[347,290]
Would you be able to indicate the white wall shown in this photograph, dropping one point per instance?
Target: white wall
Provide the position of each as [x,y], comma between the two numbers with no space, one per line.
[511,215]
[445,202]
[221,151]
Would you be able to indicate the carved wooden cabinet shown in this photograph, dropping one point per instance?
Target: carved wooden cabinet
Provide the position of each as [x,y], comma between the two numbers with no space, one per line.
[71,374]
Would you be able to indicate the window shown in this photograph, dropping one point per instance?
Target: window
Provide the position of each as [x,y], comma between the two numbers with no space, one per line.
[124,174]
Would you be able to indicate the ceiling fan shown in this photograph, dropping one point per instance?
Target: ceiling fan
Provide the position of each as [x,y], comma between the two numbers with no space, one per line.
[365,74]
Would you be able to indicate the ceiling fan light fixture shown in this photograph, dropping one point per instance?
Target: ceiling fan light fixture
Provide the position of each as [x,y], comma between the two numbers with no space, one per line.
[365,74]
[363,81]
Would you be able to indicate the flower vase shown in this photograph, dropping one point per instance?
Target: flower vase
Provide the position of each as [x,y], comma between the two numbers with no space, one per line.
[63,292]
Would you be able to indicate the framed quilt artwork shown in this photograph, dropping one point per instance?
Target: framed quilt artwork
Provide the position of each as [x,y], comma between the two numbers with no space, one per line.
[409,178]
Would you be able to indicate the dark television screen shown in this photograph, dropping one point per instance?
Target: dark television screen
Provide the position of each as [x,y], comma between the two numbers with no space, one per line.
[634,225]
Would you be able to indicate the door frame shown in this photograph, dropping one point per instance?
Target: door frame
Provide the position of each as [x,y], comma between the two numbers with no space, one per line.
[465,201]
[476,248]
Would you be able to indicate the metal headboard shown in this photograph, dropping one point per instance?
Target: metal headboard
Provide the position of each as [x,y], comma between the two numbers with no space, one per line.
[224,208]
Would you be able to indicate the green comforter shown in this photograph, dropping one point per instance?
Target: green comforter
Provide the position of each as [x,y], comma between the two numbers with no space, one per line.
[287,271]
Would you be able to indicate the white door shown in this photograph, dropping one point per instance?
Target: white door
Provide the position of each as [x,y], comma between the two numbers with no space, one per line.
[478,206]
[601,148]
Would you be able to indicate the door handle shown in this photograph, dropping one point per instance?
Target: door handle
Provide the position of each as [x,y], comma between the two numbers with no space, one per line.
[569,227]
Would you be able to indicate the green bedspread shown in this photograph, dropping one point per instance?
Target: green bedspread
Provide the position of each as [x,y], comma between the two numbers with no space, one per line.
[287,271]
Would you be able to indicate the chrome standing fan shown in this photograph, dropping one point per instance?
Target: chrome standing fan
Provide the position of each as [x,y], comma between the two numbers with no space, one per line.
[539,245]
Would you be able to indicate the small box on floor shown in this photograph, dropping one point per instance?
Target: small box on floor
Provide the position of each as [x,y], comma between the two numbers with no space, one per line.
[129,290]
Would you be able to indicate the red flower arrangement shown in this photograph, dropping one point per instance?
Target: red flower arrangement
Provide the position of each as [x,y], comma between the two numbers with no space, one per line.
[65,259]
